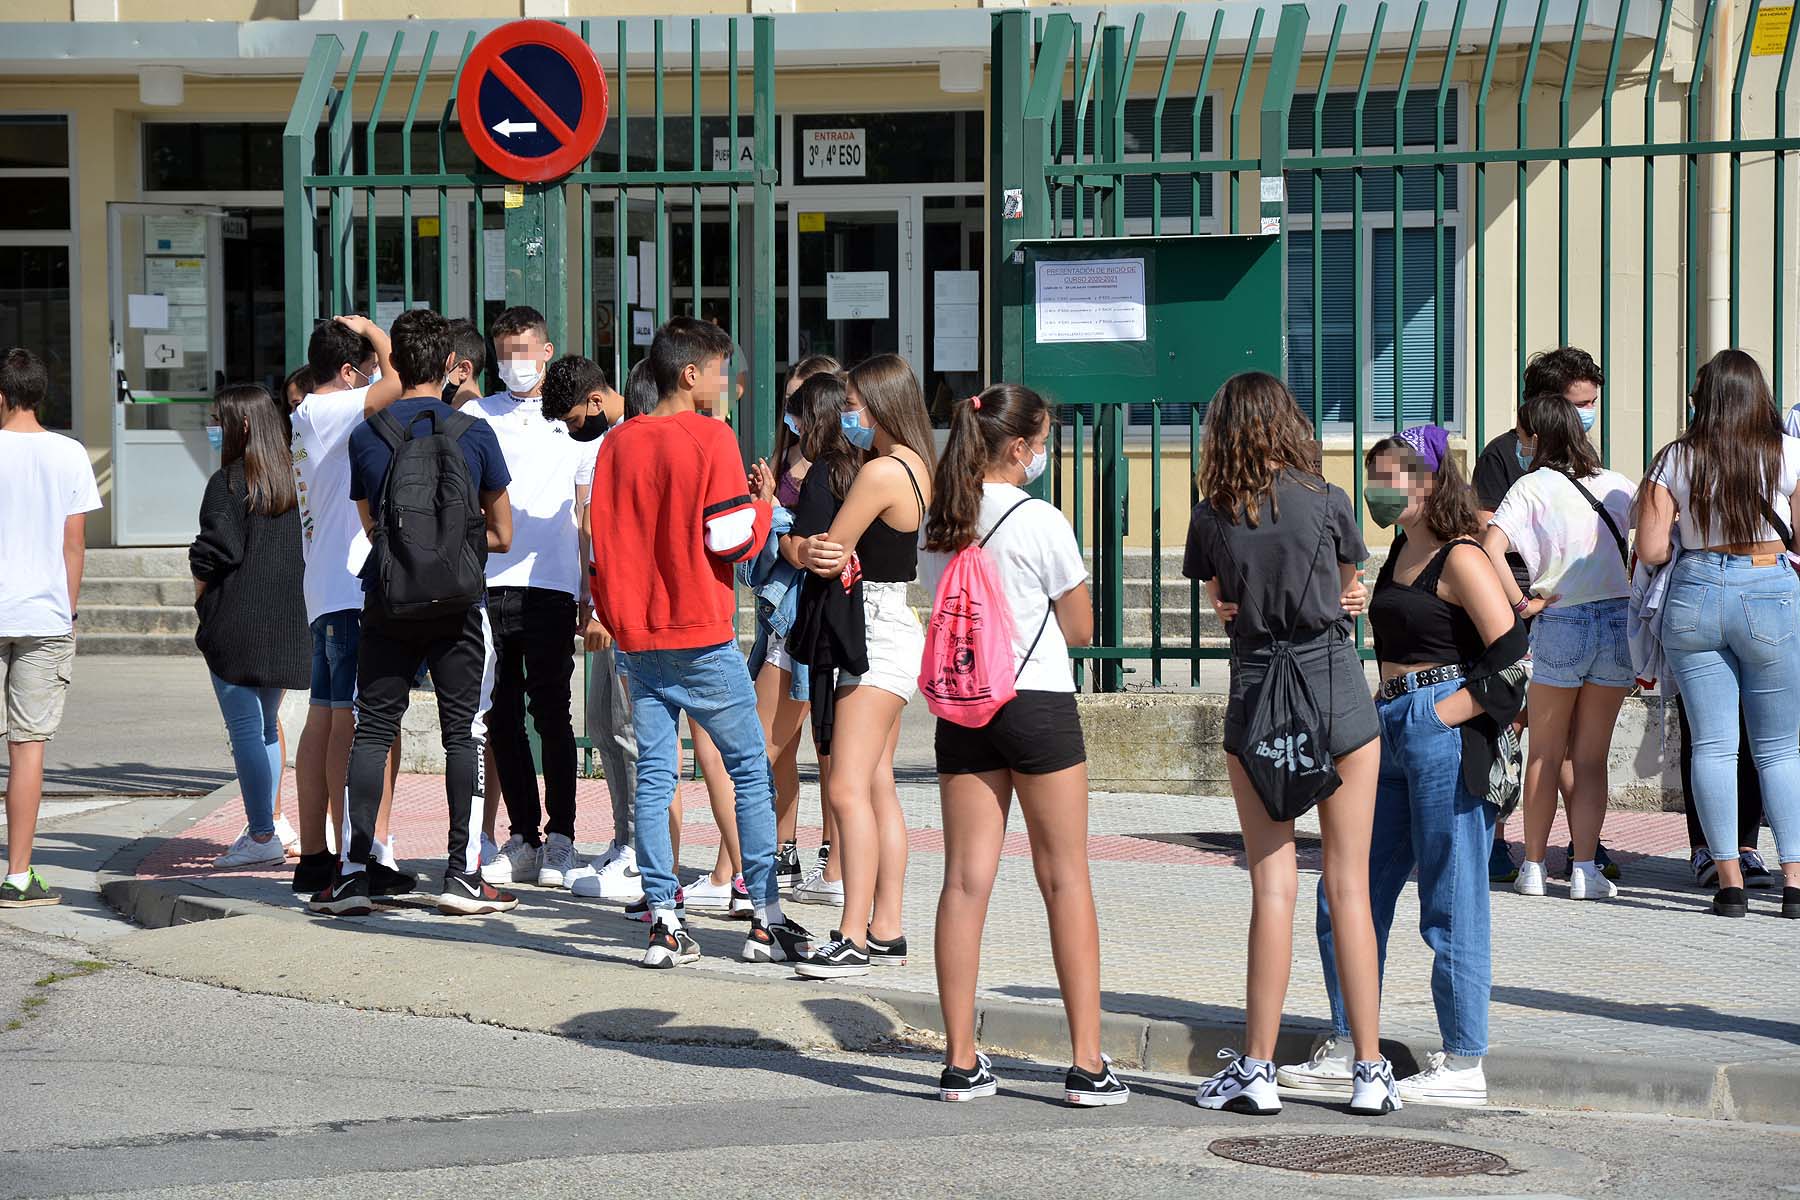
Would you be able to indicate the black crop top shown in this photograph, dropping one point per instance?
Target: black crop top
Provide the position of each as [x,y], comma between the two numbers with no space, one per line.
[1410,623]
[891,555]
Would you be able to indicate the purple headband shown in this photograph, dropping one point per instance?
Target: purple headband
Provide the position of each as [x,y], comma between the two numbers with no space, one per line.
[1432,443]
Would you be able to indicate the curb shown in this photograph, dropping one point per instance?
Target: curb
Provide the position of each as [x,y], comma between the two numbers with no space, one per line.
[1759,1090]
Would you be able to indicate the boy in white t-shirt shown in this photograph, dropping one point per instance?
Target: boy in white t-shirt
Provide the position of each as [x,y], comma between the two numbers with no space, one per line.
[47,489]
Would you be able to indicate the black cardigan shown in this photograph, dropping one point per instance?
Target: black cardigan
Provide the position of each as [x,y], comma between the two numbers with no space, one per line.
[253,627]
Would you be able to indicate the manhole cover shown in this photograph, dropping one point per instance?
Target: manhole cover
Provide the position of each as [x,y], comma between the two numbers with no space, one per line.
[1358,1155]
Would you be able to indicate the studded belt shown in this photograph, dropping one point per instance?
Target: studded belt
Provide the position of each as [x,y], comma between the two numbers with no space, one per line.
[1412,681]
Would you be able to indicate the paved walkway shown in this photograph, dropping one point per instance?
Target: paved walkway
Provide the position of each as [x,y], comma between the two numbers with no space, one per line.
[1649,973]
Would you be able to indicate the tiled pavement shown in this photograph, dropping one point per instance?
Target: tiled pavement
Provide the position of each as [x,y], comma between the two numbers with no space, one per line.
[1648,973]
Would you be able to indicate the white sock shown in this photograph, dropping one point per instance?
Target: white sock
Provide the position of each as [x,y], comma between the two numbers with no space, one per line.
[1586,865]
[667,917]
[20,880]
[1256,1062]
[1462,1062]
[770,913]
[384,853]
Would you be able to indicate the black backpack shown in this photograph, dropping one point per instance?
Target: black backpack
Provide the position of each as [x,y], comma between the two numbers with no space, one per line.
[1286,750]
[429,543]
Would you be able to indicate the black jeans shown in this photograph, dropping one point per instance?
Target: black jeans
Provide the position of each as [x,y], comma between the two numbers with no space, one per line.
[1750,805]
[534,643]
[459,655]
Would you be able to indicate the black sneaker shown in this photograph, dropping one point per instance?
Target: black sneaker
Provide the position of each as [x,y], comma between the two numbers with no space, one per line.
[1094,1091]
[1730,902]
[314,872]
[1790,903]
[836,958]
[386,881]
[473,896]
[957,1085]
[824,855]
[345,896]
[669,949]
[784,941]
[1756,871]
[887,954]
[639,910]
[787,867]
[35,894]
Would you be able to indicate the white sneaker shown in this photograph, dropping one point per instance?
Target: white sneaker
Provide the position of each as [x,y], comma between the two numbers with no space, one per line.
[616,880]
[816,889]
[1440,1083]
[1587,883]
[1328,1071]
[1531,879]
[705,895]
[288,837]
[517,862]
[1241,1088]
[1374,1092]
[248,852]
[556,861]
[489,851]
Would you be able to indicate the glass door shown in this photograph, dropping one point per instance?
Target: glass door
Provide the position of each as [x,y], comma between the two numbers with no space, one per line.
[852,279]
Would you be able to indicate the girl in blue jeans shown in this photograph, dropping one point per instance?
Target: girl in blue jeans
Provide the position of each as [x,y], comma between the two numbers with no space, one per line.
[247,571]
[1449,648]
[1731,618]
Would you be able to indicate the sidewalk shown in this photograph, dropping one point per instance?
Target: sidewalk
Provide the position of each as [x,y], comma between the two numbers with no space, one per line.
[1645,986]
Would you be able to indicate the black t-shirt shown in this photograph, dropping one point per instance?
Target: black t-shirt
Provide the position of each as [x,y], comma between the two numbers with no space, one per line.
[1495,472]
[1276,572]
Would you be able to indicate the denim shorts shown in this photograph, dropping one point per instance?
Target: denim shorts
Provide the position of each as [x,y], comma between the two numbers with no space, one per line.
[1583,643]
[336,636]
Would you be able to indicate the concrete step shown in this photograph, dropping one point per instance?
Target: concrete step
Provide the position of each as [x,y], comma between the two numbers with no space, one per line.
[130,562]
[173,593]
[170,644]
[132,618]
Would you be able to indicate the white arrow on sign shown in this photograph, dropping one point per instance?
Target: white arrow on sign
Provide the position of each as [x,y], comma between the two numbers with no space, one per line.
[507,127]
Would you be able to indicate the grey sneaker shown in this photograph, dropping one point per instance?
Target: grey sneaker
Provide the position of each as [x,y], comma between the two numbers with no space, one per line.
[35,894]
[557,861]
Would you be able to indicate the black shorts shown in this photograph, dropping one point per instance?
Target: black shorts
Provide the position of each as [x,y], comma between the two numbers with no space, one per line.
[1331,666]
[1038,733]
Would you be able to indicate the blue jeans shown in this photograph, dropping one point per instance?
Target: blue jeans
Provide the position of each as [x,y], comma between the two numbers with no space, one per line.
[336,636]
[712,685]
[1425,817]
[251,722]
[1729,631]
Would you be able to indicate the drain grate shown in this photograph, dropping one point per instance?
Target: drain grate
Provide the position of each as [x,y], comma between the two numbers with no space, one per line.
[1329,1154]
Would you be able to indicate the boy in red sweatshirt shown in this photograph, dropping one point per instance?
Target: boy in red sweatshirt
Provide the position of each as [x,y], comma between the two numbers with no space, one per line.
[671,512]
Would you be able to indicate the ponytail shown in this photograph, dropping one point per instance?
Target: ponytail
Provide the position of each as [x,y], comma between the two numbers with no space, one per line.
[980,430]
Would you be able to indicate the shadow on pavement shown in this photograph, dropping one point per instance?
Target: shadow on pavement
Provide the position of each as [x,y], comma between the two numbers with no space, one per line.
[129,779]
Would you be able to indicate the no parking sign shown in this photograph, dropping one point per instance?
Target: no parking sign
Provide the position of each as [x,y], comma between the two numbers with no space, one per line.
[532,101]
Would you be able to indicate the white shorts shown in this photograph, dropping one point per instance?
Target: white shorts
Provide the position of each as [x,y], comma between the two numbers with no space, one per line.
[895,639]
[776,655]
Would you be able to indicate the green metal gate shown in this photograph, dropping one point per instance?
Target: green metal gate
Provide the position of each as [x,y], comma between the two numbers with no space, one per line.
[1063,166]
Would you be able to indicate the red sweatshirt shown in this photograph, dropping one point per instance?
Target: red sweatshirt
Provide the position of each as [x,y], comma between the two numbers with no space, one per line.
[671,513]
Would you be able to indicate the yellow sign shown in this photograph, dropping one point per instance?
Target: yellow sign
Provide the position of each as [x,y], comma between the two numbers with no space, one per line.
[812,222]
[1771,33]
[428,226]
[515,195]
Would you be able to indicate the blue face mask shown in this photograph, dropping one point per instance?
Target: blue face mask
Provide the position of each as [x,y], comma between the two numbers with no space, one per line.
[792,422]
[215,437]
[1520,453]
[1587,416]
[855,432]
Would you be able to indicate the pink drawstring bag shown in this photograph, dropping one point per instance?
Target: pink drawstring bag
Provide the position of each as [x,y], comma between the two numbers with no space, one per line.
[967,674]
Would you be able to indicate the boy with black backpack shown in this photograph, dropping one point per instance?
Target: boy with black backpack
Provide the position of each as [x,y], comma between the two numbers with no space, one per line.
[430,486]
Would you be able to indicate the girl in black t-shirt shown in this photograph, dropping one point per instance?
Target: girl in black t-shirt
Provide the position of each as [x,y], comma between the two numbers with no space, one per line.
[1258,541]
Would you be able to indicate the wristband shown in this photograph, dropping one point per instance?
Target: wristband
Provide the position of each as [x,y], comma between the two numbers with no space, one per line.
[1523,604]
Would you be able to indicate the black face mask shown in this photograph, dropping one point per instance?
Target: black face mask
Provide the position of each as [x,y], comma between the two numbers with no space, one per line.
[591,429]
[449,394]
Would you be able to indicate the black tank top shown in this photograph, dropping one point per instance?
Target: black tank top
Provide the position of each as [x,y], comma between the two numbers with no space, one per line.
[1412,625]
[890,555]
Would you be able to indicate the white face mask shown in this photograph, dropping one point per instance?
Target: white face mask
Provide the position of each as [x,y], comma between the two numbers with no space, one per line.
[520,375]
[1035,467]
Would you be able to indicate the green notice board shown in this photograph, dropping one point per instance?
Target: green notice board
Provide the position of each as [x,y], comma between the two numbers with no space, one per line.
[1130,320]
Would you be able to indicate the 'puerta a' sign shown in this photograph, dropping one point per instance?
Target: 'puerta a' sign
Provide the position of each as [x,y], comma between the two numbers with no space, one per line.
[532,101]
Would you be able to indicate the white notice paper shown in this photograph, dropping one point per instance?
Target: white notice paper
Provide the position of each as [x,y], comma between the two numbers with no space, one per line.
[179,234]
[147,312]
[631,295]
[1096,300]
[955,354]
[646,260]
[162,352]
[856,296]
[177,280]
[387,312]
[493,264]
[956,287]
[643,326]
[721,154]
[841,153]
[955,320]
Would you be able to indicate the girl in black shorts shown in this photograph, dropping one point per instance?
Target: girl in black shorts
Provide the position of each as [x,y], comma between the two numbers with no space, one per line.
[1278,549]
[1032,746]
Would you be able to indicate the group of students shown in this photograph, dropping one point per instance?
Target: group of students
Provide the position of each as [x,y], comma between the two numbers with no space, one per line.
[1516,606]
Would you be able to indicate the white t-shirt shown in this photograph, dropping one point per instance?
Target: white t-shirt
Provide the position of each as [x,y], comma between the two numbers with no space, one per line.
[45,478]
[1568,549]
[543,460]
[1035,554]
[1673,474]
[331,532]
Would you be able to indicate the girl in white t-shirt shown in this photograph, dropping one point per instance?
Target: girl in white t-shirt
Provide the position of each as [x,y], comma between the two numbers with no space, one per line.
[1032,746]
[1581,664]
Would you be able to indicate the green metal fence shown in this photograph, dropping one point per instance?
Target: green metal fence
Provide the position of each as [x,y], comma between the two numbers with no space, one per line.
[1064,166]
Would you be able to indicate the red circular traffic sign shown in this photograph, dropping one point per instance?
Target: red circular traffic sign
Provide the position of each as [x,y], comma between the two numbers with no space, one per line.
[532,101]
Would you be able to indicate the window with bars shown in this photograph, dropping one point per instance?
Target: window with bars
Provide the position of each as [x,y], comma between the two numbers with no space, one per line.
[1178,193]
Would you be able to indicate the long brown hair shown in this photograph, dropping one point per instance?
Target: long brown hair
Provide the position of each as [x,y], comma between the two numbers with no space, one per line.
[1733,447]
[1254,431]
[251,428]
[1562,444]
[805,369]
[978,438]
[1450,510]
[890,391]
[821,401]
